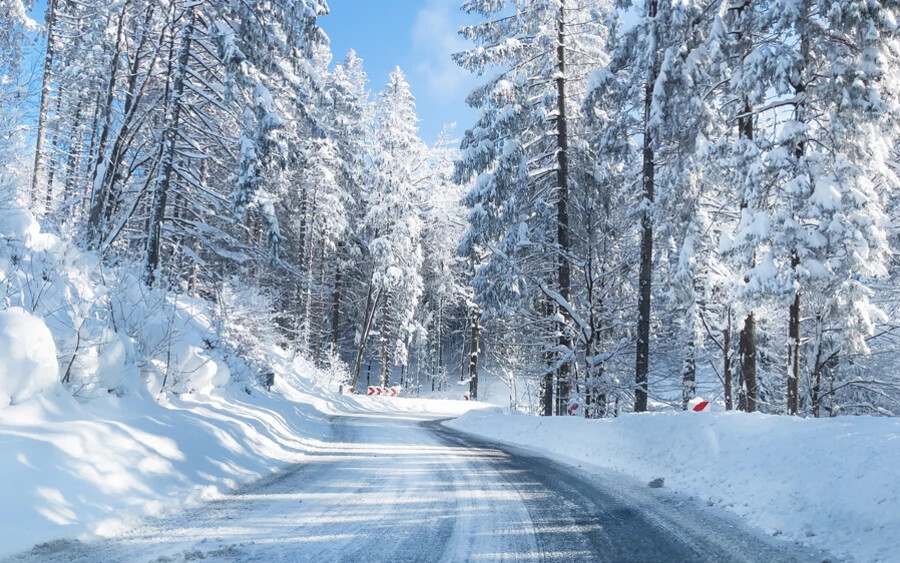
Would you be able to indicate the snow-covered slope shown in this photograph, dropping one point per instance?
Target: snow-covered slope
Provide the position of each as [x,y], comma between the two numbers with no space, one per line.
[71,467]
[833,483]
[108,445]
[117,402]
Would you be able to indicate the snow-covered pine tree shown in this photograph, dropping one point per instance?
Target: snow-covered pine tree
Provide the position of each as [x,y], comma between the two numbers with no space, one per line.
[832,156]
[517,155]
[393,228]
[657,82]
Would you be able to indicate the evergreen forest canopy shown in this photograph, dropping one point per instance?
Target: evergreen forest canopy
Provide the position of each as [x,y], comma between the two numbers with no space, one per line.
[659,200]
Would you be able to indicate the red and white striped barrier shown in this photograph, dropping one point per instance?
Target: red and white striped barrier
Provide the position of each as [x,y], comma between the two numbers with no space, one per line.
[384,391]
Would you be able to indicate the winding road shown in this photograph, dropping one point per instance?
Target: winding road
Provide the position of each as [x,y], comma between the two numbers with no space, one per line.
[400,489]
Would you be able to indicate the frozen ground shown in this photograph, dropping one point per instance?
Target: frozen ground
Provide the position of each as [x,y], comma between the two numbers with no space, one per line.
[392,486]
[829,483]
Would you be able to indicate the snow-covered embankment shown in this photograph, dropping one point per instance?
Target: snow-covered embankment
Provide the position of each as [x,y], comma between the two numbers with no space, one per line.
[831,483]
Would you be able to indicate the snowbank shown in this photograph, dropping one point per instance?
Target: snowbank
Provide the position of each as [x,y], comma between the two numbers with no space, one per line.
[72,468]
[831,483]
[27,357]
[159,408]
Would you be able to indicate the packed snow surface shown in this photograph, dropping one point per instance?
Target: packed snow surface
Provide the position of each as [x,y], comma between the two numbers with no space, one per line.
[829,483]
[391,484]
[75,469]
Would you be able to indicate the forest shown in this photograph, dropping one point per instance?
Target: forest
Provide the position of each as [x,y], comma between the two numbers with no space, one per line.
[659,202]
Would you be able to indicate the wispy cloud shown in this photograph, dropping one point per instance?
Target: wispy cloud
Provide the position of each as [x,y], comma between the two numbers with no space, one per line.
[435,38]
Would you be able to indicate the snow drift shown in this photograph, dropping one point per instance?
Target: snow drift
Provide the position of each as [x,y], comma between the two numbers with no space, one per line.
[27,357]
[831,483]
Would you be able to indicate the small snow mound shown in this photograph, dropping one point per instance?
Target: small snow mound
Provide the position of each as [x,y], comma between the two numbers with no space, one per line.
[18,224]
[28,363]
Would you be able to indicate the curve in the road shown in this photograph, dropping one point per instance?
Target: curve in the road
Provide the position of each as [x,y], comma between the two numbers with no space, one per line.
[394,489]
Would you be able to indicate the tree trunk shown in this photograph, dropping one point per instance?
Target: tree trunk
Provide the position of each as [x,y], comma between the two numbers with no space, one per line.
[336,302]
[372,300]
[793,382]
[747,341]
[546,388]
[689,376]
[321,306]
[473,357]
[440,342]
[170,136]
[793,387]
[99,196]
[385,343]
[564,376]
[818,368]
[726,365]
[642,365]
[122,138]
[747,357]
[54,147]
[75,148]
[302,236]
[45,101]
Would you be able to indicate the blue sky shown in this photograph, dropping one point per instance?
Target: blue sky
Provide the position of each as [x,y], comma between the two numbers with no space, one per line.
[417,35]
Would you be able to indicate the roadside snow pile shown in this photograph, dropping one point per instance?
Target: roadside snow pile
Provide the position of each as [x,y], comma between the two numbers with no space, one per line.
[117,401]
[72,468]
[832,483]
[27,357]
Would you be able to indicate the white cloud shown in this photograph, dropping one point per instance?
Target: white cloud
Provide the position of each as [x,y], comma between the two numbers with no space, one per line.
[435,38]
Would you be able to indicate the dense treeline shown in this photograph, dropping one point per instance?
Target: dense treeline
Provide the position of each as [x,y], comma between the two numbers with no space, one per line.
[673,194]
[214,146]
[659,200]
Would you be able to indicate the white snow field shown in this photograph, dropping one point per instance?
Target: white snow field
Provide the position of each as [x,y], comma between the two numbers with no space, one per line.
[830,483]
[390,484]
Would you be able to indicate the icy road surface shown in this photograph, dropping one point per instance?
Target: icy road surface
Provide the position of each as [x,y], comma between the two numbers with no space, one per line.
[400,489]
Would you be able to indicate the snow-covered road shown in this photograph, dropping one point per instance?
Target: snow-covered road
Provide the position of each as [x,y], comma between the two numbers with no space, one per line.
[396,488]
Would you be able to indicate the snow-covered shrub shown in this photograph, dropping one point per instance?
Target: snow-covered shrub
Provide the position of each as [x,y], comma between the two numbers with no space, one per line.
[336,370]
[244,318]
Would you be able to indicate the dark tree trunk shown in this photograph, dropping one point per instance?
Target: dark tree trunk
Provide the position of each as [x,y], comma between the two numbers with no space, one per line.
[385,343]
[440,342]
[689,376]
[747,340]
[793,387]
[726,365]
[564,376]
[747,358]
[99,197]
[45,101]
[642,364]
[473,356]
[54,144]
[818,368]
[336,301]
[112,175]
[75,148]
[793,381]
[546,386]
[170,136]
[372,300]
